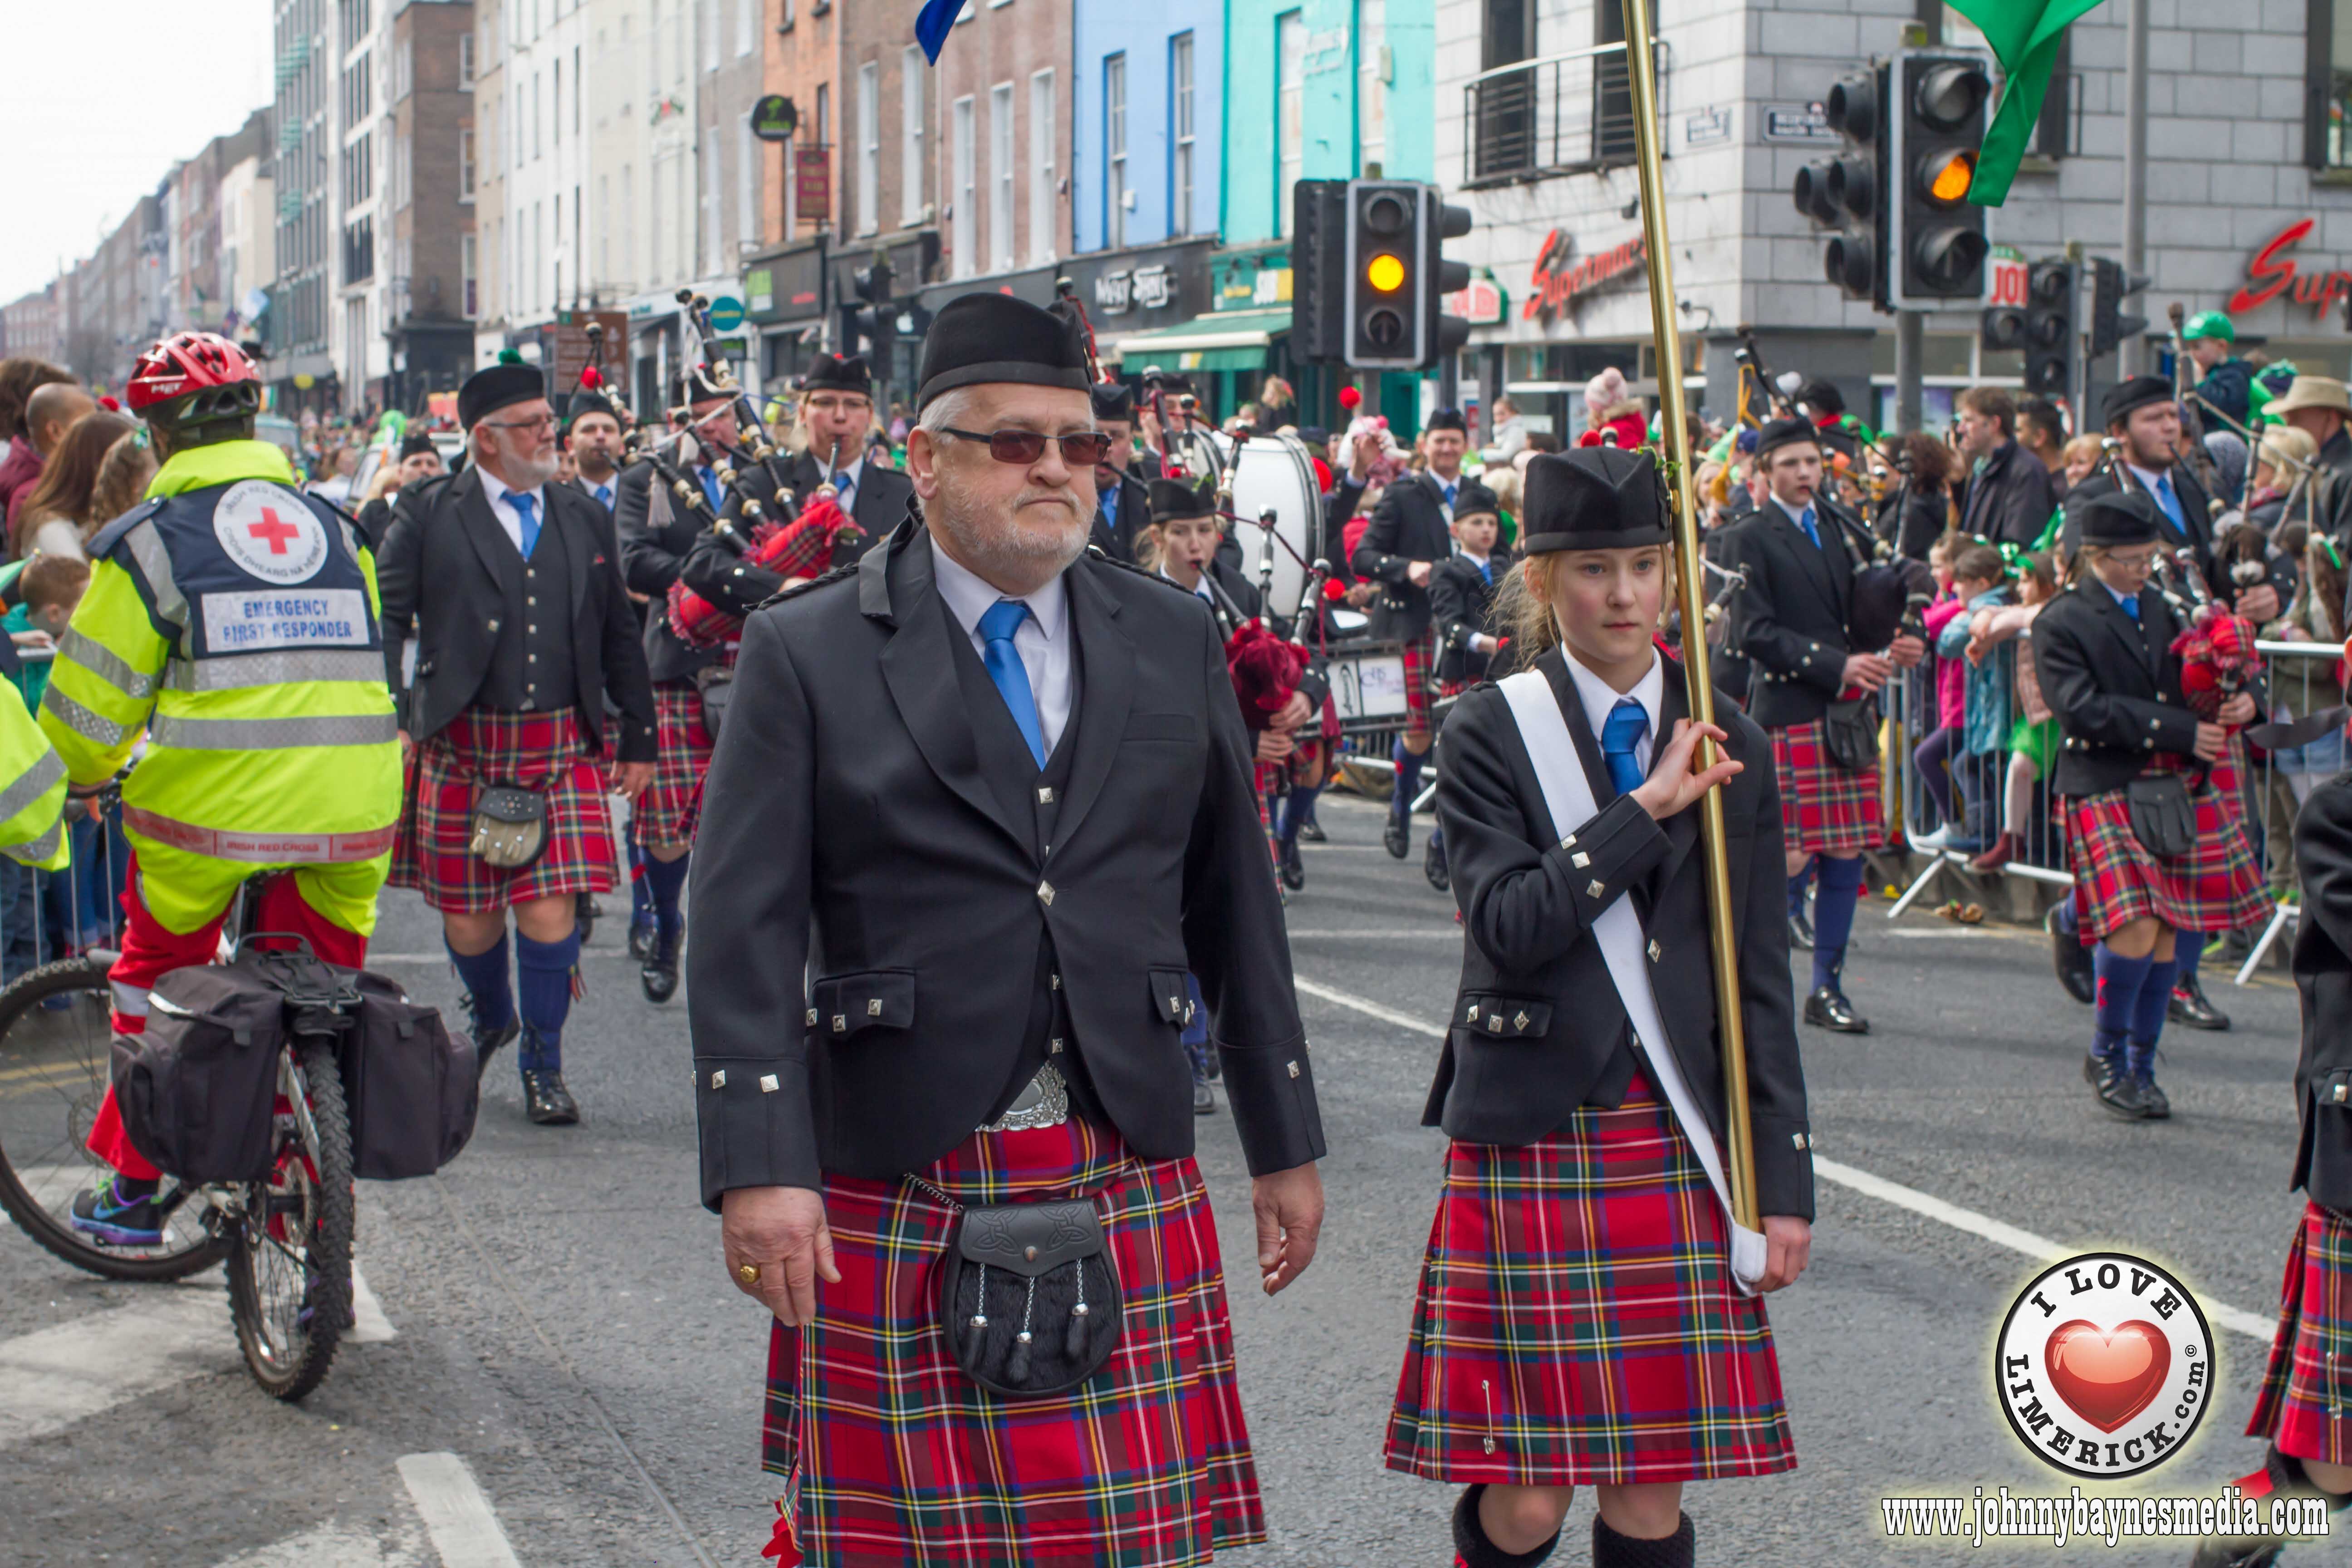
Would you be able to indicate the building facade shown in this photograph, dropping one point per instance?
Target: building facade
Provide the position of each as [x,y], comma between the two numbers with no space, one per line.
[429,244]
[308,146]
[28,326]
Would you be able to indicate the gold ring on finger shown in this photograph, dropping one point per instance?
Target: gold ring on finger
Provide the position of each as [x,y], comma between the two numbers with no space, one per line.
[748,1272]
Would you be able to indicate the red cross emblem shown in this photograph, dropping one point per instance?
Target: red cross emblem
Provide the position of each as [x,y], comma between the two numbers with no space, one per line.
[278,534]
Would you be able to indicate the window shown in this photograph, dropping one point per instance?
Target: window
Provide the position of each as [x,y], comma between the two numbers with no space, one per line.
[714,201]
[529,292]
[912,71]
[1371,85]
[706,19]
[1042,207]
[468,273]
[869,147]
[603,229]
[628,231]
[747,25]
[1180,134]
[747,183]
[1000,177]
[537,120]
[404,68]
[579,81]
[465,162]
[962,207]
[557,95]
[1115,145]
[1289,126]
[466,67]
[556,263]
[654,225]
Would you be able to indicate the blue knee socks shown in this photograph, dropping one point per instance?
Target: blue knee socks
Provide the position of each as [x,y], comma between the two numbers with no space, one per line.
[1797,886]
[667,880]
[2188,948]
[1300,808]
[2148,1017]
[544,986]
[2115,1004]
[1833,916]
[484,976]
[1408,778]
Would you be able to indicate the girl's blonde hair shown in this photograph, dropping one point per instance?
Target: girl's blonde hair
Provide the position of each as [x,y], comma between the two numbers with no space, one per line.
[1527,617]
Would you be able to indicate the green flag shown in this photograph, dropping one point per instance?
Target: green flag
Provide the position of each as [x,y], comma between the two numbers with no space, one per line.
[2024,37]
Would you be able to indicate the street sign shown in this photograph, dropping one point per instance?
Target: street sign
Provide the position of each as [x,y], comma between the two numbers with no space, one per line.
[773,118]
[725,314]
[813,184]
[1799,122]
[2005,280]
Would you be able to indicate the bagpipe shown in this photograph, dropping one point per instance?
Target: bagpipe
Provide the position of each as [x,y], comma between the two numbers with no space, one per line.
[2216,646]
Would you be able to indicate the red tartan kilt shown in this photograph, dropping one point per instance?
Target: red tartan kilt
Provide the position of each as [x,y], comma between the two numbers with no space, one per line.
[670,807]
[1824,809]
[887,1444]
[1420,668]
[2215,887]
[544,751]
[2305,1403]
[1577,1323]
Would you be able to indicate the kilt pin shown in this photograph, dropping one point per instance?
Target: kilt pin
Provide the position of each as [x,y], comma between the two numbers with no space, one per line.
[2304,1405]
[479,748]
[1824,809]
[1576,1324]
[2215,887]
[669,809]
[894,1456]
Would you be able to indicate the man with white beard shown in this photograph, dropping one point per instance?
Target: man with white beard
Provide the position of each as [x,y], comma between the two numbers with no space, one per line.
[982,800]
[510,586]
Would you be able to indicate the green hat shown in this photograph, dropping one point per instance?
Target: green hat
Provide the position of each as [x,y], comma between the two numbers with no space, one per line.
[2209,325]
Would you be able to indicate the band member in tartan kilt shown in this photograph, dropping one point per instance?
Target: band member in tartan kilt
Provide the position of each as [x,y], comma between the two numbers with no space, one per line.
[993,973]
[524,631]
[1791,616]
[658,526]
[837,411]
[2103,649]
[2301,1409]
[1581,1320]
[1461,591]
[1400,550]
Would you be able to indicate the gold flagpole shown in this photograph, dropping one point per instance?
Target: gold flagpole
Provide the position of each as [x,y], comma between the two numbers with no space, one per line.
[1641,74]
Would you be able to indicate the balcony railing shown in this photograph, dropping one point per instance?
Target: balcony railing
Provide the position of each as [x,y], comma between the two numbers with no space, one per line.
[1563,114]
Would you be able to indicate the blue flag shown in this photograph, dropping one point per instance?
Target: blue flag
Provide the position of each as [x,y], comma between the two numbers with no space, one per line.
[932,24]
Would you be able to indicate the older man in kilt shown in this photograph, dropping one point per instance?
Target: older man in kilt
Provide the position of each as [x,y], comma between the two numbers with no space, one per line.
[1792,617]
[2175,860]
[523,630]
[985,1107]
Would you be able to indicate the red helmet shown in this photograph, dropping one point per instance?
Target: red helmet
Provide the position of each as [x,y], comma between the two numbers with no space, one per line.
[193,379]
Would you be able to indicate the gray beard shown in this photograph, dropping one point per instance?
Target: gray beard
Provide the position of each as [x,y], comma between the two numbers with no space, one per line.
[993,544]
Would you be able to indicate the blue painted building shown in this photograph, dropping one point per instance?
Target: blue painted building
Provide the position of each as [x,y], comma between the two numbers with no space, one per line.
[1147,121]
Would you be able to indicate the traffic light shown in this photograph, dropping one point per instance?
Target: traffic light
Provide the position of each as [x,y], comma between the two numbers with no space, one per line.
[2110,287]
[1936,237]
[1441,277]
[1318,271]
[875,323]
[2051,291]
[1396,274]
[1846,193]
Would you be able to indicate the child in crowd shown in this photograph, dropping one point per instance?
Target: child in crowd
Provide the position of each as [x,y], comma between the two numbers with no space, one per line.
[2034,732]
[1932,757]
[38,922]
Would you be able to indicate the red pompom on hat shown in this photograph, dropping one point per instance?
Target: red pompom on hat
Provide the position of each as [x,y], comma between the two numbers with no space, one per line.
[1350,398]
[591,376]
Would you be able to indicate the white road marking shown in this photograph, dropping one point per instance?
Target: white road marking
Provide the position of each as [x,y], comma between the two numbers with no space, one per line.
[55,1376]
[1964,934]
[369,1325]
[344,1545]
[465,1530]
[2041,1248]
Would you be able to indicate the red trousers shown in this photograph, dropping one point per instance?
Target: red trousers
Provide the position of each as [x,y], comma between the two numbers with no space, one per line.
[150,951]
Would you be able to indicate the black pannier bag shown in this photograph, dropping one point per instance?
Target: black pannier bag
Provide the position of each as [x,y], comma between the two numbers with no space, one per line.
[196,1091]
[411,1088]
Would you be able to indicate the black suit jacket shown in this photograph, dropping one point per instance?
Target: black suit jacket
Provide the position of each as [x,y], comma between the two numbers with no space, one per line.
[2112,684]
[1134,516]
[2198,537]
[1790,615]
[1408,525]
[853,836]
[1459,599]
[1528,910]
[2012,500]
[2322,973]
[442,583]
[880,503]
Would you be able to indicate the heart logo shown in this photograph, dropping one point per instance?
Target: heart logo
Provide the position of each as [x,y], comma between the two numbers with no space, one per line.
[2107,1375]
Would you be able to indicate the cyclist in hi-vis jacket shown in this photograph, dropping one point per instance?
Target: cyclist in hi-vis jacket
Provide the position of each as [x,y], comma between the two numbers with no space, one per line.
[233,619]
[32,784]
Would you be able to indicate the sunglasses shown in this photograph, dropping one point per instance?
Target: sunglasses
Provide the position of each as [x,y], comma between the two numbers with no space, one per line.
[1082,450]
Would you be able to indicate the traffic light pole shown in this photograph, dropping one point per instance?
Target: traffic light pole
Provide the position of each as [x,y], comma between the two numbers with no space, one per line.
[2133,351]
[1910,346]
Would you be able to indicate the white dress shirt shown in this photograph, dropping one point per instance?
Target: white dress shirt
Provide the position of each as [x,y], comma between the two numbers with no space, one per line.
[1600,698]
[1043,641]
[1201,589]
[504,510]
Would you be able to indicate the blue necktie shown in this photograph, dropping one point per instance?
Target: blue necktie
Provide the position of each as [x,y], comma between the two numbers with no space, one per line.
[1624,731]
[997,625]
[1109,502]
[1487,570]
[1813,529]
[604,494]
[710,488]
[2169,501]
[526,510]
[843,489]
[2131,605]
[1450,486]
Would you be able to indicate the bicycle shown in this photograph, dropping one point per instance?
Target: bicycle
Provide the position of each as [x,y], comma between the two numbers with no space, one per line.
[286,1240]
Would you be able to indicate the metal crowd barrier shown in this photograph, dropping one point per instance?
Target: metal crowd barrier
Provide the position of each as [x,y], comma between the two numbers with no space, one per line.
[2301,678]
[48,915]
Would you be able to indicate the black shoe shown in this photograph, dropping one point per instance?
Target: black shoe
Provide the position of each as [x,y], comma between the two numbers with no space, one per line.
[641,939]
[1292,870]
[487,1044]
[1205,1099]
[2117,1090]
[1432,866]
[2190,1007]
[1311,831]
[1828,1008]
[2070,959]
[1397,836]
[658,978]
[546,1101]
[2153,1104]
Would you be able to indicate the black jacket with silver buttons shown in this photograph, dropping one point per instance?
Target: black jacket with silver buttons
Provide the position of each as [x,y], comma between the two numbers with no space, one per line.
[2322,972]
[2112,684]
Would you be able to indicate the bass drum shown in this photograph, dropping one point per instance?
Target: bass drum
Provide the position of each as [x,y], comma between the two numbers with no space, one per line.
[1200,450]
[1276,474]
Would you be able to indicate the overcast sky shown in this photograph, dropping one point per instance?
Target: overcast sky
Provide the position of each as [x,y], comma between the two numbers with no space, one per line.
[102,98]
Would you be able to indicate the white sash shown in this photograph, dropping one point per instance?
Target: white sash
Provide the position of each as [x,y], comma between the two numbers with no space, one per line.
[1569,797]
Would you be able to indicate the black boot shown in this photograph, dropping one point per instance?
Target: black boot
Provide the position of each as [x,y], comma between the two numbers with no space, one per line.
[2190,1007]
[1311,830]
[1432,865]
[546,1101]
[2118,1092]
[487,1043]
[1397,836]
[1472,1549]
[658,978]
[1828,1008]
[1292,870]
[1611,1549]
[2070,959]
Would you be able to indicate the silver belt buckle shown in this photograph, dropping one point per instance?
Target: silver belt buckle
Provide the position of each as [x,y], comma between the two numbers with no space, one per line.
[1044,1101]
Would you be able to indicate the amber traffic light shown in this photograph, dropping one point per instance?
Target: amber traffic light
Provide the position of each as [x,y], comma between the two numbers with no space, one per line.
[1938,244]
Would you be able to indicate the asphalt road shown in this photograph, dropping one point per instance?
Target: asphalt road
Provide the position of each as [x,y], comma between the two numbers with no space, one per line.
[569,1377]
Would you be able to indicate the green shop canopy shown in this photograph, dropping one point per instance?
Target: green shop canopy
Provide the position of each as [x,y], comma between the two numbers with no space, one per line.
[1221,340]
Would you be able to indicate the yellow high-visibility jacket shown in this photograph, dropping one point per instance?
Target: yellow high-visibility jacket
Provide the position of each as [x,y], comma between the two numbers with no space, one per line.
[32,791]
[235,620]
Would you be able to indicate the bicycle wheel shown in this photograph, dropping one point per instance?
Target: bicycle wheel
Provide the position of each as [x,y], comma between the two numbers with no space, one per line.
[55,1039]
[289,1271]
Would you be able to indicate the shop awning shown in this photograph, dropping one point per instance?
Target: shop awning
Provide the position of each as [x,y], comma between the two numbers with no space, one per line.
[1221,340]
